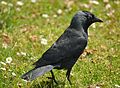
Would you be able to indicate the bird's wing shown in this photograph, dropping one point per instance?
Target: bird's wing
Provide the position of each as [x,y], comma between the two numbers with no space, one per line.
[66,46]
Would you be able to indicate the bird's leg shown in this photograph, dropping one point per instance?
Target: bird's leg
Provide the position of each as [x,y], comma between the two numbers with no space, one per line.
[53,77]
[68,76]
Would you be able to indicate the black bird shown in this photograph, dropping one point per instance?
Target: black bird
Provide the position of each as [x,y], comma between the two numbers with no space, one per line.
[66,50]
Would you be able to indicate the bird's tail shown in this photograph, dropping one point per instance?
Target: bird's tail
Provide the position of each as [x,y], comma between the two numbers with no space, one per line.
[34,73]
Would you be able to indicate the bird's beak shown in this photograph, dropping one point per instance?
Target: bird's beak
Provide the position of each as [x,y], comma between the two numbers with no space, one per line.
[97,20]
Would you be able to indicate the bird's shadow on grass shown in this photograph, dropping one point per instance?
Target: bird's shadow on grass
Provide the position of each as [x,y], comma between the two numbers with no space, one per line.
[48,84]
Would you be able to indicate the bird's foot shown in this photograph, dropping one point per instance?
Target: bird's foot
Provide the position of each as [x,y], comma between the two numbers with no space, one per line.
[53,79]
[49,77]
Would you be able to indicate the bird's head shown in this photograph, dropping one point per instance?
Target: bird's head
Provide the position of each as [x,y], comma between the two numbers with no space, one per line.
[90,17]
[84,19]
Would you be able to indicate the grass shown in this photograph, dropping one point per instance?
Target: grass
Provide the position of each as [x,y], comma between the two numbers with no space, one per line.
[23,27]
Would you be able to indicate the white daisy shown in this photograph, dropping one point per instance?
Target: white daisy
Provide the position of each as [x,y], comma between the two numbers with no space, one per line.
[8,60]
[44,41]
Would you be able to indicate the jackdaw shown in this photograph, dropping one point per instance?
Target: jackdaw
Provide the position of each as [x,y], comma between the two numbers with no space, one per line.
[66,50]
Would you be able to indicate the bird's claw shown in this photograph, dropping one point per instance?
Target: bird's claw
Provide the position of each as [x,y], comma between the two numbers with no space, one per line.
[52,79]
[49,77]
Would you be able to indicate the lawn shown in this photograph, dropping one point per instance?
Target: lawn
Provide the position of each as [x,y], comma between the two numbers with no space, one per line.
[29,27]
